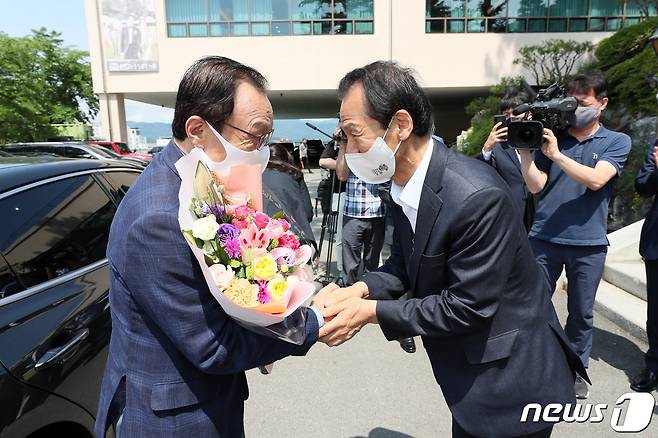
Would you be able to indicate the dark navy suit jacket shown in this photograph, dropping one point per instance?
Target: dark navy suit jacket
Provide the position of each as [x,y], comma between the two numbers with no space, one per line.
[646,184]
[508,166]
[176,361]
[479,300]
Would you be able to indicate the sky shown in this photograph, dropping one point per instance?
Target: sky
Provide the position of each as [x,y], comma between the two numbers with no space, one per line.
[18,18]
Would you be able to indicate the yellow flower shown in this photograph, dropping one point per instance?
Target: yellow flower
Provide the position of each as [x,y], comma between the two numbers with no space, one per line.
[277,287]
[264,267]
[241,292]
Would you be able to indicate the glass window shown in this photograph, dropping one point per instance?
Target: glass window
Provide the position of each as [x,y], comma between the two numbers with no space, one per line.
[364,27]
[435,26]
[186,10]
[537,25]
[605,8]
[630,21]
[557,25]
[632,8]
[55,228]
[123,148]
[281,29]
[9,284]
[120,182]
[302,28]
[517,25]
[455,26]
[219,29]
[597,24]
[492,8]
[578,25]
[176,30]
[568,8]
[199,30]
[260,28]
[613,24]
[527,8]
[239,29]
[359,9]
[306,9]
[445,8]
[73,152]
[475,26]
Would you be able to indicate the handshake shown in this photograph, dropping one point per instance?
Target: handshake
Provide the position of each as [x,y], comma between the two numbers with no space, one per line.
[345,310]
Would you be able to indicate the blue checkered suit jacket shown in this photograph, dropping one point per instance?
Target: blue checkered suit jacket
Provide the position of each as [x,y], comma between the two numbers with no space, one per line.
[176,361]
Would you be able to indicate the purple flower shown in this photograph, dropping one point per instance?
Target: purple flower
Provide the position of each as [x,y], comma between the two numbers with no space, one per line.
[227,232]
[263,293]
[217,211]
[232,247]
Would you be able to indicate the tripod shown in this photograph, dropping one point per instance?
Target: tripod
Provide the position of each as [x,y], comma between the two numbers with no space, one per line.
[329,221]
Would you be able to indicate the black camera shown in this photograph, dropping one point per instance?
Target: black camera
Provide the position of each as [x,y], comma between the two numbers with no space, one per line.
[551,109]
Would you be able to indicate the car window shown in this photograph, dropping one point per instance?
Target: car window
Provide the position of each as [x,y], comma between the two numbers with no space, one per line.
[55,228]
[8,282]
[74,152]
[123,148]
[121,182]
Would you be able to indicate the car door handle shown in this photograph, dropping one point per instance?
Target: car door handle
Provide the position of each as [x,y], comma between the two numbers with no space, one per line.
[50,357]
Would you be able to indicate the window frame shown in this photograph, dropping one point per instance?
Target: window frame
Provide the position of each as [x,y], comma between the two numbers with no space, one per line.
[96,175]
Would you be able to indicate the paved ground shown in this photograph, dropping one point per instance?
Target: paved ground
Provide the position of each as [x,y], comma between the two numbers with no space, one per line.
[369,387]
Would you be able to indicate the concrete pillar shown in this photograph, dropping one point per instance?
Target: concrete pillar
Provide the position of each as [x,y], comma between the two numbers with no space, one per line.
[113,117]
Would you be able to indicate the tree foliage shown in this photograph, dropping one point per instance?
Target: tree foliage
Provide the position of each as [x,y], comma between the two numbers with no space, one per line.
[553,60]
[483,110]
[630,64]
[41,83]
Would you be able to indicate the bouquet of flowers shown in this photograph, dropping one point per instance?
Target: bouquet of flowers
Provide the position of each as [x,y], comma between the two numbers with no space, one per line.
[253,263]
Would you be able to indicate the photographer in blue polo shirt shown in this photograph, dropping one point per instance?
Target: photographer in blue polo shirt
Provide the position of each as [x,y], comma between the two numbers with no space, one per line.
[572,174]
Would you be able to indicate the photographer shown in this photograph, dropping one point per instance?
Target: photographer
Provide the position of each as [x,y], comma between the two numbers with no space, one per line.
[573,173]
[505,160]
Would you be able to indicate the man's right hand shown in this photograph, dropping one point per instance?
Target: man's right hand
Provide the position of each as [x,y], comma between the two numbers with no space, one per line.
[497,135]
[655,155]
[332,294]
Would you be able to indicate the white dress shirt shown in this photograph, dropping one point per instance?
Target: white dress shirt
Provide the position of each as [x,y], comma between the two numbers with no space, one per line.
[408,196]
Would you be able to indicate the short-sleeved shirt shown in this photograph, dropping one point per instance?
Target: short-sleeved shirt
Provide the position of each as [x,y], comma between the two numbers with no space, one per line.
[569,213]
[362,199]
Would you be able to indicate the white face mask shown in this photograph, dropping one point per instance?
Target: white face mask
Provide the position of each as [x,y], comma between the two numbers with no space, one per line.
[376,165]
[235,156]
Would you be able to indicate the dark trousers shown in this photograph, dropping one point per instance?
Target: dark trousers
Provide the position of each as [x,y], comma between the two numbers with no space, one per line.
[458,432]
[651,357]
[362,242]
[584,268]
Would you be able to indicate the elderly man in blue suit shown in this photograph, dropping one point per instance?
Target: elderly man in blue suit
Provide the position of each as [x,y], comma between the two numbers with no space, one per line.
[646,184]
[176,361]
[478,299]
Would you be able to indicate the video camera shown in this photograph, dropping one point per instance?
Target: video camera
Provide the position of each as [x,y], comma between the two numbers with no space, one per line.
[551,109]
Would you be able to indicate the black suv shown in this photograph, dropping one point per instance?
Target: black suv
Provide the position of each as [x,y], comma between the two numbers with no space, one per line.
[54,282]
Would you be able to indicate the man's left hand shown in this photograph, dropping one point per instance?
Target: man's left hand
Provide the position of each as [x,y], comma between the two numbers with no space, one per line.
[345,319]
[655,155]
[550,147]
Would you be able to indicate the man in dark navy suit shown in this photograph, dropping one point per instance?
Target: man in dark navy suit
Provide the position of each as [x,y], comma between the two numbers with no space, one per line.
[478,299]
[176,361]
[646,184]
[498,153]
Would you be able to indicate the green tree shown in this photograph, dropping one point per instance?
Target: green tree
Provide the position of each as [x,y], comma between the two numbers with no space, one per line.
[629,64]
[41,83]
[553,60]
[483,110]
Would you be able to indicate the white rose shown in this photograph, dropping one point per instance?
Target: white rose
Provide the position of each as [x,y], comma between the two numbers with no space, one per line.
[221,275]
[205,228]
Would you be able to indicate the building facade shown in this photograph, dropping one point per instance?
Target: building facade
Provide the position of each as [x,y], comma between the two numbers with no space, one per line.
[140,48]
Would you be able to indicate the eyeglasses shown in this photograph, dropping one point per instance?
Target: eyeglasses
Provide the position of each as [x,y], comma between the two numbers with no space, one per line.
[341,136]
[261,140]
